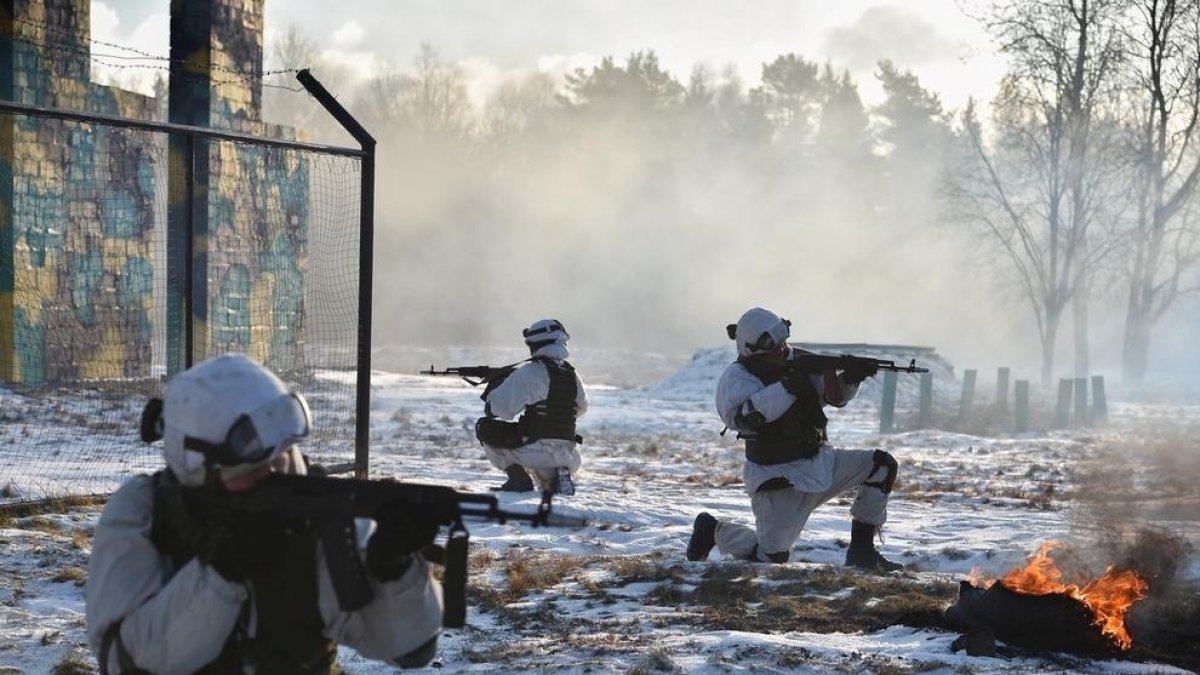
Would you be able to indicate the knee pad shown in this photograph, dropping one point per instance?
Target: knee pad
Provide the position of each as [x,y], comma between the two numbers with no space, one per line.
[777,558]
[890,466]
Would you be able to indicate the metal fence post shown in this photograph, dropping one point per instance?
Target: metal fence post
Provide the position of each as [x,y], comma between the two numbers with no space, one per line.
[366,257]
[887,407]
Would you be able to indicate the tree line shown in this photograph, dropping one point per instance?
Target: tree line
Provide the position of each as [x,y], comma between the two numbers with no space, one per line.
[1077,178]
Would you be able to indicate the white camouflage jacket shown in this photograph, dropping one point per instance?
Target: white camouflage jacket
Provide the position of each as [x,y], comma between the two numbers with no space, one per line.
[176,621]
[531,383]
[740,392]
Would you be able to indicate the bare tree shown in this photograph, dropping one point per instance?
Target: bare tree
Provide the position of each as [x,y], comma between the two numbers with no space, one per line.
[1039,188]
[437,101]
[289,51]
[380,101]
[1164,48]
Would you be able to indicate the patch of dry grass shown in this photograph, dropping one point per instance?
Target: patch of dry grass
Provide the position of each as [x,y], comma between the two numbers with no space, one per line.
[81,540]
[11,515]
[525,572]
[76,575]
[632,569]
[40,524]
[655,661]
[73,663]
[497,653]
[823,599]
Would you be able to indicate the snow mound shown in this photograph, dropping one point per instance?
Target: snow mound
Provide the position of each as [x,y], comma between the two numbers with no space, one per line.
[696,381]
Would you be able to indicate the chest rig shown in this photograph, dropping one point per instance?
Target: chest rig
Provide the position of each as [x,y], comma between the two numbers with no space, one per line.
[553,417]
[799,433]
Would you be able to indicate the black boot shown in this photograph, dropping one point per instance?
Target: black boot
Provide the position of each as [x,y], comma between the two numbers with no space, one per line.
[704,533]
[518,480]
[862,553]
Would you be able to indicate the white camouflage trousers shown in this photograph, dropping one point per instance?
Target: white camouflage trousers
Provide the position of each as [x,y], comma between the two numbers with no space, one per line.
[540,458]
[780,515]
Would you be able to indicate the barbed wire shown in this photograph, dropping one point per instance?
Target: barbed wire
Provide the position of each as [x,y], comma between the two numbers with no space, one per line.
[239,76]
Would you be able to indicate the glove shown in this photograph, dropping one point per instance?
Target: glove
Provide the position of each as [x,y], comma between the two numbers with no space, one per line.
[796,381]
[248,547]
[399,534]
[858,371]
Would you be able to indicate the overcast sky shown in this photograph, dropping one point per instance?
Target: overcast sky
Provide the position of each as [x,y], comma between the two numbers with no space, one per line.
[492,37]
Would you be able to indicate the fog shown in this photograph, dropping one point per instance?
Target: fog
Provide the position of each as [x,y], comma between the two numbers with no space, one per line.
[647,208]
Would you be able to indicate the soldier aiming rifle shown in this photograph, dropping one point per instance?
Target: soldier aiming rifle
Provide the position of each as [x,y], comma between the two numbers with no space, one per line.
[548,395]
[233,560]
[773,397]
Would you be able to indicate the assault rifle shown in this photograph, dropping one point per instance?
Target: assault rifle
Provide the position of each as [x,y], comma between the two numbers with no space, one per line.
[815,363]
[481,374]
[332,504]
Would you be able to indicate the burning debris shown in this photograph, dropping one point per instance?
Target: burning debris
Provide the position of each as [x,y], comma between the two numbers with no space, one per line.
[1037,607]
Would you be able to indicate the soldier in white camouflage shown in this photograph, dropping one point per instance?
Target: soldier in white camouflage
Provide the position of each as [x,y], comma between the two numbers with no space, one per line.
[790,467]
[176,589]
[548,396]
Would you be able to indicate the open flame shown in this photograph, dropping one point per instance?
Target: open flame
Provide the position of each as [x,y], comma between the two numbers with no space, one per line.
[1108,597]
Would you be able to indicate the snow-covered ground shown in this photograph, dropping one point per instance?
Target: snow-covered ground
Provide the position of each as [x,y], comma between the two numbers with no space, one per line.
[620,596]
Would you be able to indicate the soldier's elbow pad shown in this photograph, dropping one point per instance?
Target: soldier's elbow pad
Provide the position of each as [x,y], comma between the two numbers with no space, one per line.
[419,657]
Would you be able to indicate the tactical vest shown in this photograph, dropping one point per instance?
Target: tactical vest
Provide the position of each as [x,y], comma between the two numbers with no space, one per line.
[798,433]
[289,627]
[553,417]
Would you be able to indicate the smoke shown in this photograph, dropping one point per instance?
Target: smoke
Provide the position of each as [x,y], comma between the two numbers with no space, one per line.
[643,239]
[890,32]
[648,213]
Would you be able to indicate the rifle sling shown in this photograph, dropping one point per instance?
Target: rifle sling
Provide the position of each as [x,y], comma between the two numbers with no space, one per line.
[345,566]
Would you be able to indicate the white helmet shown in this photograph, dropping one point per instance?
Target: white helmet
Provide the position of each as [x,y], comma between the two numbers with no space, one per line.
[547,338]
[759,330]
[545,332]
[228,414]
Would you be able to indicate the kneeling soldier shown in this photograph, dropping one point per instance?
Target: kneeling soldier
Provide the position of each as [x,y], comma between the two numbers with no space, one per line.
[790,467]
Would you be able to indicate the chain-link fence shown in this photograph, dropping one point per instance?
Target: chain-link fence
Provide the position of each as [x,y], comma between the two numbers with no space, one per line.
[130,249]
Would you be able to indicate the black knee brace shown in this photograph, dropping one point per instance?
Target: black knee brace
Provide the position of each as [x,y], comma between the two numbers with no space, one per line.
[885,460]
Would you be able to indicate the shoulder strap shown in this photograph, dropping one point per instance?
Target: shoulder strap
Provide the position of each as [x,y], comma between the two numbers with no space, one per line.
[112,637]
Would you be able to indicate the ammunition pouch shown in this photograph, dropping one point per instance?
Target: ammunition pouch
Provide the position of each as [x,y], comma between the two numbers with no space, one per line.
[498,433]
[781,451]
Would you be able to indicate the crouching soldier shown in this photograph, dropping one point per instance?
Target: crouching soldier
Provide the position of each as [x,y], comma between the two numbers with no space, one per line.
[173,588]
[549,396]
[791,468]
